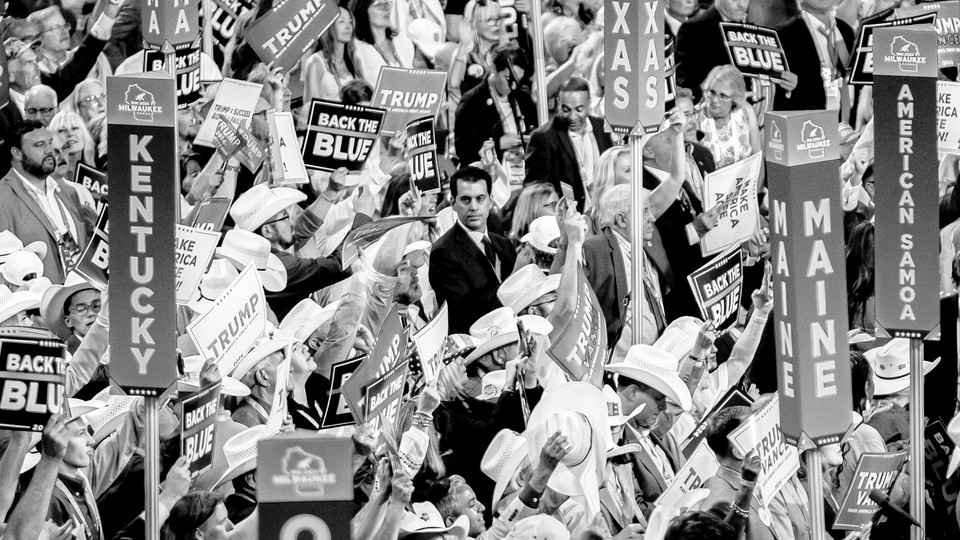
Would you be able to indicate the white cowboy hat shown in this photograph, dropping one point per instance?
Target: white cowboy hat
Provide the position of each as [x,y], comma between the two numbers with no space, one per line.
[426,519]
[52,303]
[80,407]
[39,285]
[12,303]
[191,368]
[225,430]
[539,527]
[241,453]
[426,35]
[9,243]
[20,264]
[242,247]
[217,279]
[264,349]
[104,421]
[504,457]
[525,286]
[679,337]
[543,230]
[260,203]
[857,335]
[308,316]
[891,366]
[499,328]
[492,385]
[953,430]
[656,369]
[577,410]
[615,407]
[419,245]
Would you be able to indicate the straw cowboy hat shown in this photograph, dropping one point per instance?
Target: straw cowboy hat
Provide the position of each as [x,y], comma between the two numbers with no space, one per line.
[242,247]
[19,265]
[265,348]
[425,521]
[80,407]
[307,316]
[953,430]
[226,428]
[616,418]
[503,459]
[39,285]
[499,328]
[525,286]
[679,337]
[577,410]
[260,203]
[52,303]
[104,421]
[217,279]
[10,243]
[191,383]
[656,369]
[891,366]
[543,230]
[12,303]
[241,453]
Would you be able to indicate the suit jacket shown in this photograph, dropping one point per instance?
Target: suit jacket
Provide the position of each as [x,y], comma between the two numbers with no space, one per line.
[804,60]
[21,215]
[551,158]
[723,488]
[700,48]
[650,482]
[462,276]
[478,119]
[703,157]
[603,266]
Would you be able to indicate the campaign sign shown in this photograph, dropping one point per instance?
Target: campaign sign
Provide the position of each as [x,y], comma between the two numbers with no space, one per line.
[145,194]
[732,398]
[223,21]
[809,277]
[429,343]
[421,147]
[250,154]
[197,428]
[173,21]
[337,413]
[227,140]
[408,94]
[634,64]
[874,471]
[234,324]
[389,350]
[187,64]
[234,103]
[862,61]
[947,25]
[948,117]
[670,71]
[734,187]
[95,181]
[31,381]
[278,406]
[368,233]
[717,287]
[754,50]
[907,271]
[383,398]
[94,263]
[290,29]
[340,135]
[778,460]
[212,213]
[580,346]
[701,465]
[194,250]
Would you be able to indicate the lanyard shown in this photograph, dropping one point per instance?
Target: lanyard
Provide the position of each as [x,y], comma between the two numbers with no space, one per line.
[257,407]
[90,530]
[56,202]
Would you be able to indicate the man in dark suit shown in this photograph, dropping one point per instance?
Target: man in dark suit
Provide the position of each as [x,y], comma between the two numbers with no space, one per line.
[496,109]
[566,150]
[817,46]
[34,206]
[468,263]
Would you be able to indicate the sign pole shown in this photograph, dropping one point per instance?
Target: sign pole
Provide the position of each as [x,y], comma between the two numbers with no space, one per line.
[917,427]
[636,239]
[815,493]
[151,472]
[539,64]
[207,27]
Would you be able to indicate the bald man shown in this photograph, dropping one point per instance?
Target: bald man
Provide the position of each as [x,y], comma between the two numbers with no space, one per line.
[40,104]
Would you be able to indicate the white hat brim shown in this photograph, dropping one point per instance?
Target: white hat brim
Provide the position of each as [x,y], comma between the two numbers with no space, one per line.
[672,387]
[19,301]
[550,285]
[886,387]
[273,277]
[284,198]
[38,247]
[51,306]
[507,473]
[255,355]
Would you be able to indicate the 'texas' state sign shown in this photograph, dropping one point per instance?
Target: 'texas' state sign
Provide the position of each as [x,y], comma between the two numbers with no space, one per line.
[634,64]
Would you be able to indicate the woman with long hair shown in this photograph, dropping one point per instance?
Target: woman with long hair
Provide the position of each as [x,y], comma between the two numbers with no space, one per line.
[860,278]
[78,143]
[333,63]
[728,122]
[537,199]
[89,99]
[613,168]
[481,30]
[378,44]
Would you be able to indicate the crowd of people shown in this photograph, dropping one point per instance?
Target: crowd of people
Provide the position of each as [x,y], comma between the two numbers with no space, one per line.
[503,443]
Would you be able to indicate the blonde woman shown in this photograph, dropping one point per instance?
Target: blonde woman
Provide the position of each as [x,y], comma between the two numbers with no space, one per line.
[613,168]
[78,143]
[728,122]
[481,30]
[536,199]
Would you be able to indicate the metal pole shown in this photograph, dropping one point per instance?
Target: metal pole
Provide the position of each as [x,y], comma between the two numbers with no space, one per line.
[815,493]
[636,238]
[207,46]
[539,63]
[151,478]
[917,427]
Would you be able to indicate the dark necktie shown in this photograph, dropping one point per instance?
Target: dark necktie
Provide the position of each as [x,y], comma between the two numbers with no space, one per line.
[489,251]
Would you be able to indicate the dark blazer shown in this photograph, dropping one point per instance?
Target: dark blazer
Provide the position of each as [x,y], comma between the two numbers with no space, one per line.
[478,120]
[551,158]
[462,276]
[700,48]
[724,488]
[650,482]
[703,157]
[21,215]
[603,266]
[804,61]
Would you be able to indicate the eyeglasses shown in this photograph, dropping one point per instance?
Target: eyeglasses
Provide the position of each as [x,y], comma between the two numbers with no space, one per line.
[284,217]
[495,20]
[57,28]
[82,309]
[44,111]
[723,98]
[98,99]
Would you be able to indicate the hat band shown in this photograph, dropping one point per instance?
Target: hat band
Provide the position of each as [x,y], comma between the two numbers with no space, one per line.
[590,438]
[881,377]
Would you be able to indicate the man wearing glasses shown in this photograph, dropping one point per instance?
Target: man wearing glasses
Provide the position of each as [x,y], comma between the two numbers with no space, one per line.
[40,104]
[70,310]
